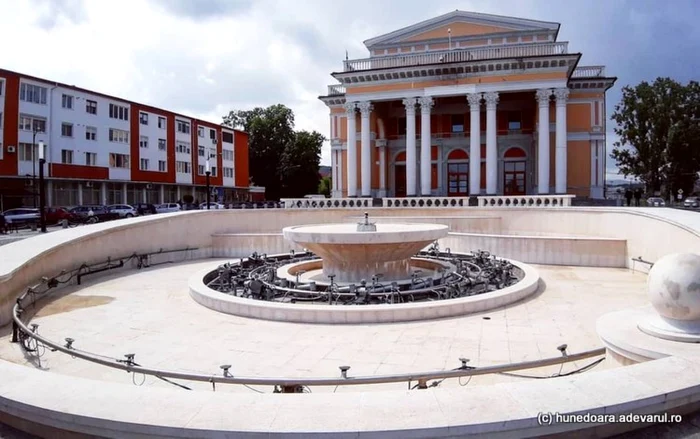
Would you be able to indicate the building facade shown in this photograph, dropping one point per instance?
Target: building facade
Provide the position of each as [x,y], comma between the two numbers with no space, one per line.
[101,149]
[453,106]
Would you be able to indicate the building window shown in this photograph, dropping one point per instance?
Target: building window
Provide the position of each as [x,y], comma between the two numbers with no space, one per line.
[227,137]
[143,164]
[119,136]
[143,142]
[90,133]
[200,131]
[161,144]
[201,151]
[228,172]
[67,156]
[2,87]
[457,123]
[0,126]
[200,169]
[119,160]
[32,93]
[91,158]
[118,112]
[31,123]
[514,120]
[183,127]
[161,123]
[67,102]
[183,167]
[25,152]
[227,155]
[143,117]
[162,165]
[91,107]
[183,148]
[212,135]
[67,129]
[213,171]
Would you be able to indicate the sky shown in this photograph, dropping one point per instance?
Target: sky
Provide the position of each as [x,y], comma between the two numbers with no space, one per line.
[207,57]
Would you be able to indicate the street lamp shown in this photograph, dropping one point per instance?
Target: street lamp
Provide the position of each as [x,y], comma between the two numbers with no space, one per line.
[208,173]
[35,129]
[42,195]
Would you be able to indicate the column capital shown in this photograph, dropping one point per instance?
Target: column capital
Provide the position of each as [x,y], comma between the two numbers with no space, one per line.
[365,107]
[426,103]
[410,104]
[491,99]
[350,107]
[474,100]
[562,95]
[543,96]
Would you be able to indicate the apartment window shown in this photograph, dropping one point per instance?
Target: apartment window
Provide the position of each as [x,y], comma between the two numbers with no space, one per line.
[91,107]
[228,172]
[118,112]
[457,123]
[227,155]
[200,169]
[143,117]
[161,144]
[31,123]
[183,148]
[183,167]
[514,120]
[162,165]
[227,137]
[91,158]
[24,151]
[183,127]
[161,123]
[200,131]
[212,135]
[67,102]
[201,151]
[2,87]
[143,142]
[213,171]
[32,93]
[90,133]
[67,156]
[143,164]
[119,136]
[67,129]
[118,160]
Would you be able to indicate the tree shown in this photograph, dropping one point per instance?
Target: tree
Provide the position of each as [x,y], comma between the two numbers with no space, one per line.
[659,129]
[285,162]
[324,187]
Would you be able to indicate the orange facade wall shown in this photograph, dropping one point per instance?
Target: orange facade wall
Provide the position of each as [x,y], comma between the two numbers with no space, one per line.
[60,170]
[242,172]
[9,163]
[578,166]
[578,117]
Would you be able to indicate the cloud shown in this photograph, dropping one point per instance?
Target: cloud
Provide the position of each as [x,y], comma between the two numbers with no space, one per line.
[206,57]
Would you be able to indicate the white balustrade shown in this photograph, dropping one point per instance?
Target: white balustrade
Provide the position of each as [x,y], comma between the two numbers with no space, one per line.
[326,203]
[527,201]
[589,72]
[336,89]
[420,202]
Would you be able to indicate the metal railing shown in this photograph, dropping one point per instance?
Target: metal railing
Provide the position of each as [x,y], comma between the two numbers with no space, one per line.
[336,89]
[589,72]
[457,55]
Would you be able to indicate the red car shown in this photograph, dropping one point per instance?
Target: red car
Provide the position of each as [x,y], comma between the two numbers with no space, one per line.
[54,215]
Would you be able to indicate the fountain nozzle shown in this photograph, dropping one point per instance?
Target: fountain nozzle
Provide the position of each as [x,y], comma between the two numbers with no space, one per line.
[366,226]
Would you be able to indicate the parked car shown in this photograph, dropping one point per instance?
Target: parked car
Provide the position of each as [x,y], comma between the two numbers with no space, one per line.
[145,209]
[168,207]
[656,202]
[124,210]
[55,215]
[94,214]
[21,216]
[691,202]
[203,206]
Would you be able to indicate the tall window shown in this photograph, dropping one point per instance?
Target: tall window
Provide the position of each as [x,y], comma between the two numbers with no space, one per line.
[67,156]
[212,135]
[161,144]
[67,129]
[143,164]
[118,112]
[183,127]
[91,107]
[32,93]
[119,136]
[90,133]
[143,118]
[67,102]
[161,123]
[143,142]
[162,165]
[118,160]
[200,169]
[201,151]
[91,158]
[200,131]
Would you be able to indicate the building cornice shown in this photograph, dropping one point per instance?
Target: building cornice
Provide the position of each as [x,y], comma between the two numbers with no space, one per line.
[592,84]
[462,38]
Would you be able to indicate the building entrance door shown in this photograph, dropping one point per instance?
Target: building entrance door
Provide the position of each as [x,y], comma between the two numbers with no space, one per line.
[400,180]
[514,177]
[457,179]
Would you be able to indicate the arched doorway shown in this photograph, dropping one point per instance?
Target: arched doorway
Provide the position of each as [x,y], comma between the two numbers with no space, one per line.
[514,171]
[400,174]
[458,173]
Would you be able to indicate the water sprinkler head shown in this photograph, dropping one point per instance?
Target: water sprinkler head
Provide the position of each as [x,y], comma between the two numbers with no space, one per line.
[69,343]
[562,349]
[225,368]
[464,362]
[344,371]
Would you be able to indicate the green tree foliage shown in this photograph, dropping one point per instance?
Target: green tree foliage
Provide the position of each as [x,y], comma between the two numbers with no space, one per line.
[659,129]
[324,187]
[282,160]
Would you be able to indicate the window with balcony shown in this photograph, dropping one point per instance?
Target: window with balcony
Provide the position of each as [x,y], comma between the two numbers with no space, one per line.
[183,167]
[161,123]
[90,133]
[118,136]
[91,158]
[91,107]
[119,161]
[183,127]
[161,144]
[143,142]
[67,156]
[67,129]
[143,164]
[32,93]
[118,112]
[162,166]
[143,117]
[67,102]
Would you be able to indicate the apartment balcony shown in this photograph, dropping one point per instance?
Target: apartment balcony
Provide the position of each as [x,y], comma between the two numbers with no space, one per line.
[456,56]
[589,72]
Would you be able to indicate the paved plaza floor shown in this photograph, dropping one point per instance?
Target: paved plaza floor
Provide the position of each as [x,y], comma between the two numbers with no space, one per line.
[150,313]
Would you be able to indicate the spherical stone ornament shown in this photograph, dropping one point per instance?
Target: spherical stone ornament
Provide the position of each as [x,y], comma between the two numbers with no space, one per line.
[673,286]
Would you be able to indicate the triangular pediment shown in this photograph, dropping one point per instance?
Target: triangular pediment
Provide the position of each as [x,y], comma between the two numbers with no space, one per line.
[461,24]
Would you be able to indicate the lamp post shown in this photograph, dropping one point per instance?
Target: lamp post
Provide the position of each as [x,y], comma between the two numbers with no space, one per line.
[207,173]
[42,195]
[35,129]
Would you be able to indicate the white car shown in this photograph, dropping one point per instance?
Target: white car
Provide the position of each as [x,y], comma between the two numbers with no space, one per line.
[124,210]
[203,206]
[168,207]
[21,216]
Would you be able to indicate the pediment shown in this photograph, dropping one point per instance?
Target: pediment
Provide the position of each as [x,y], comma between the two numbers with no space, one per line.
[461,24]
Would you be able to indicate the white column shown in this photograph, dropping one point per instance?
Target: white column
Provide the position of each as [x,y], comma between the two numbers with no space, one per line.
[340,171]
[560,153]
[601,164]
[334,169]
[491,99]
[410,104]
[161,195]
[179,196]
[382,170]
[144,197]
[426,103]
[365,109]
[125,199]
[594,163]
[49,193]
[543,141]
[103,193]
[475,144]
[80,194]
[352,149]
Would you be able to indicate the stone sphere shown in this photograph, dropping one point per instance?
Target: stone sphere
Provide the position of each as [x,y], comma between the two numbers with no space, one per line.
[674,286]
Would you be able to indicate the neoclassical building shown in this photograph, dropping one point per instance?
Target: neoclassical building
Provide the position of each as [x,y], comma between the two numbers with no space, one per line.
[452,106]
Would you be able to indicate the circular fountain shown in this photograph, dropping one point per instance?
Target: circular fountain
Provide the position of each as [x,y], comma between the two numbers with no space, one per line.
[354,252]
